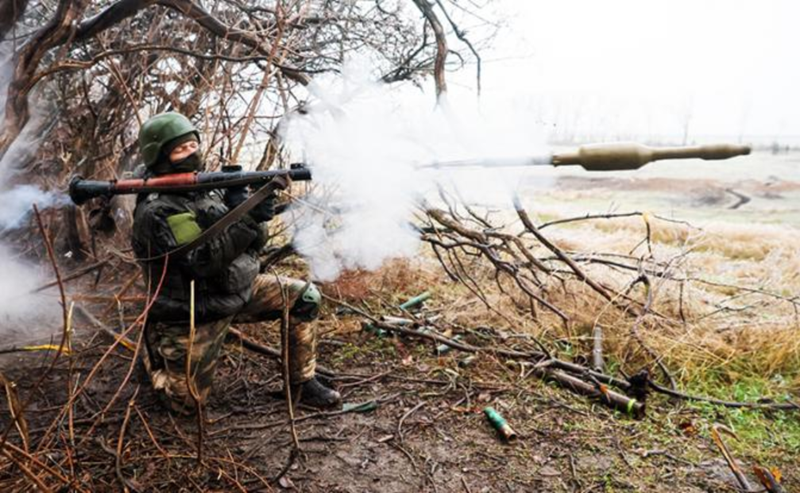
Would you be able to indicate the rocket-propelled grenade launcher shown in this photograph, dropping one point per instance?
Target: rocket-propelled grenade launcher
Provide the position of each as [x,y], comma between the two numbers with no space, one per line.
[609,157]
[81,190]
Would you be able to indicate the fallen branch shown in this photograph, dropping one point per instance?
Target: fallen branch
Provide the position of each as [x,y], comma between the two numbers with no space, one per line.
[71,277]
[599,391]
[715,434]
[554,363]
[768,479]
[782,406]
[526,221]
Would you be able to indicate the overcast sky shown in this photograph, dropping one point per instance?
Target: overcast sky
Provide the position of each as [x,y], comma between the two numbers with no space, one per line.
[625,67]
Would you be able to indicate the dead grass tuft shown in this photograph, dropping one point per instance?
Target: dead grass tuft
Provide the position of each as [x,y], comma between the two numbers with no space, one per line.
[396,279]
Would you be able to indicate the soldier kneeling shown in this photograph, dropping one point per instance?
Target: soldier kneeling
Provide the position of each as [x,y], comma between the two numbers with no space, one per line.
[225,270]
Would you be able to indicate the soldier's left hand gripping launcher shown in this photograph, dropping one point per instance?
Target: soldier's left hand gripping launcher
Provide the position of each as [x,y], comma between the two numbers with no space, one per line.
[81,190]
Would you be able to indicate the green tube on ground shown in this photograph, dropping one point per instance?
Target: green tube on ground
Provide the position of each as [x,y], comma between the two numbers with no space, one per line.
[359,407]
[371,329]
[416,300]
[500,424]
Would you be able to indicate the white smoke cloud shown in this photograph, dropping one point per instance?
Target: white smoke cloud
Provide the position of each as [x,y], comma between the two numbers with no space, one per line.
[18,204]
[366,142]
[24,316]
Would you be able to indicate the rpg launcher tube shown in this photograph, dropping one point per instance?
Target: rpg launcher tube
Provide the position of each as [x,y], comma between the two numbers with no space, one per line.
[629,156]
[81,190]
[500,424]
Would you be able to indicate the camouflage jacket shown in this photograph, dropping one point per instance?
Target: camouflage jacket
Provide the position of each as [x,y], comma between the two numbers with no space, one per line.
[223,267]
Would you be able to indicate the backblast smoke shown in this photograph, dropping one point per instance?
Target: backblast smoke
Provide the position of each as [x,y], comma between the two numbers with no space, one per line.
[24,317]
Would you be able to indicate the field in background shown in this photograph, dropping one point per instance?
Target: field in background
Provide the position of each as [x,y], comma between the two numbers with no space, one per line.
[737,224]
[703,192]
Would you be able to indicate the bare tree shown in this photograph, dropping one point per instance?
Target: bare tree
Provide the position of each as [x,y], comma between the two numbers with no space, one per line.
[236,67]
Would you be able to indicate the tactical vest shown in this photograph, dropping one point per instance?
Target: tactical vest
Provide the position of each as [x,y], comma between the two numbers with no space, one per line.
[162,222]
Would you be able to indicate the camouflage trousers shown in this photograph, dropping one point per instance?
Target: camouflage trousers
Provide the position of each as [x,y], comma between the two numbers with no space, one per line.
[169,344]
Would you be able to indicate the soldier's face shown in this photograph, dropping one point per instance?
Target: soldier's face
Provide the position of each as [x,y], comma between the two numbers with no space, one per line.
[183,151]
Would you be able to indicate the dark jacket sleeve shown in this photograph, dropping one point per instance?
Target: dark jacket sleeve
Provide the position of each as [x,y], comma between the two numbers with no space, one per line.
[209,259]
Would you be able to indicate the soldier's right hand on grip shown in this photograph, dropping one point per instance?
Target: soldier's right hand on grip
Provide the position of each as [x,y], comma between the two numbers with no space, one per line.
[235,196]
[264,211]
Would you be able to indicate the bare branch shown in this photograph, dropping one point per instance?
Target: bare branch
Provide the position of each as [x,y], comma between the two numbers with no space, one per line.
[441,46]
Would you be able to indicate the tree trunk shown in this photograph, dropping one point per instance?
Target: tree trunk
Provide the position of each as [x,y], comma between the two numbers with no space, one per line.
[26,62]
[10,13]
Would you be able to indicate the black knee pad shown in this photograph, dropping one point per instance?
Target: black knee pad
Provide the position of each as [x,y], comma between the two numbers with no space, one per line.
[306,307]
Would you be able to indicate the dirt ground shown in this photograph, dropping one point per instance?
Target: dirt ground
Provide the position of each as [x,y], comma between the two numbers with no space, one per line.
[425,431]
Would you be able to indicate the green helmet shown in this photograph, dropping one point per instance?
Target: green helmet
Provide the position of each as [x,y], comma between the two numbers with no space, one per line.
[159,130]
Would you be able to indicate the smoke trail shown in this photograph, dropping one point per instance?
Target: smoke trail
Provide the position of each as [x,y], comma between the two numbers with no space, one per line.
[365,142]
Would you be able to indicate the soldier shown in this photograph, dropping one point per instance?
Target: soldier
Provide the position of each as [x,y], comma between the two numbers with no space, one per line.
[225,270]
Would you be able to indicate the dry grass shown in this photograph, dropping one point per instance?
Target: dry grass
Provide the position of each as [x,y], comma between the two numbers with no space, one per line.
[709,320]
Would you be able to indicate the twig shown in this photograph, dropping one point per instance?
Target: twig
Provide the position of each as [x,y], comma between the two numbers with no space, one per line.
[117,337]
[142,317]
[526,221]
[27,472]
[190,384]
[716,428]
[252,345]
[287,380]
[14,409]
[126,484]
[150,433]
[403,418]
[10,447]
[787,406]
[635,328]
[70,277]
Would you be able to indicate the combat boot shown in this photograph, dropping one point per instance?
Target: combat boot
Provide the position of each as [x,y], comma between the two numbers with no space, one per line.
[313,393]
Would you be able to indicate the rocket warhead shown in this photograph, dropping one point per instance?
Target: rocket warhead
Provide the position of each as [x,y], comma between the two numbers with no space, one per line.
[613,156]
[627,156]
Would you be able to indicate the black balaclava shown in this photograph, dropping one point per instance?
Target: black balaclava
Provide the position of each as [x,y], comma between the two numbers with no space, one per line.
[192,162]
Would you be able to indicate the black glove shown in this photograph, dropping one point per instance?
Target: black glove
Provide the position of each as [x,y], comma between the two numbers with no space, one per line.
[265,210]
[235,196]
